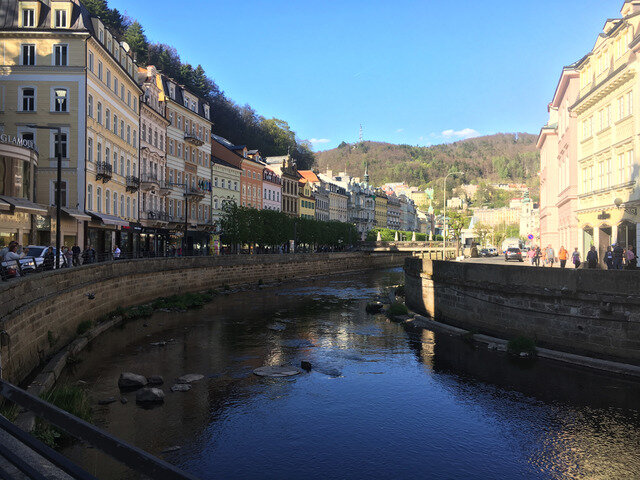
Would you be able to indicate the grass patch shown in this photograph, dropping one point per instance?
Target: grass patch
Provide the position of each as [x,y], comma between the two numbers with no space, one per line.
[70,398]
[520,345]
[9,411]
[83,327]
[183,302]
[141,311]
[397,309]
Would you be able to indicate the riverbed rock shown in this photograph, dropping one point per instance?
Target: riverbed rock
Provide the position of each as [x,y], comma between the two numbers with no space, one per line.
[158,344]
[106,401]
[181,387]
[131,381]
[155,380]
[123,400]
[374,307]
[171,449]
[277,371]
[189,378]
[305,365]
[277,327]
[150,396]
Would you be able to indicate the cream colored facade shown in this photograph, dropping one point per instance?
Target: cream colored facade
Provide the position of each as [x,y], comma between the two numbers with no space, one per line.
[608,142]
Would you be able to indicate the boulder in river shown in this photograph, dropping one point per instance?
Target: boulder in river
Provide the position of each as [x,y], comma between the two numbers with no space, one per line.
[106,401]
[155,380]
[189,378]
[277,327]
[131,381]
[277,371]
[374,307]
[181,387]
[305,365]
[150,396]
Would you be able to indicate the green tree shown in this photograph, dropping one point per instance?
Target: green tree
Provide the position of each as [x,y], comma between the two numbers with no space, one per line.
[137,40]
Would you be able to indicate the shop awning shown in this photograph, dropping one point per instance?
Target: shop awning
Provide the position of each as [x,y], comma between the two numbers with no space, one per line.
[109,219]
[4,206]
[24,205]
[77,214]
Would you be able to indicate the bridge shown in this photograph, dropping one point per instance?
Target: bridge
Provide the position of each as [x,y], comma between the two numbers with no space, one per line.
[431,250]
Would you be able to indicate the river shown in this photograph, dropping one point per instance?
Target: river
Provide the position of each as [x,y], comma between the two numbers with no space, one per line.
[381,401]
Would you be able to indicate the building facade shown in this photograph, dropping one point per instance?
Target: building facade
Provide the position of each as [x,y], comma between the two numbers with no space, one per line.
[306,200]
[286,169]
[272,190]
[393,212]
[381,209]
[226,179]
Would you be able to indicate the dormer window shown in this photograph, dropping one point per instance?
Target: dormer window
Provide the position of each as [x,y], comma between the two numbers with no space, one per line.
[101,36]
[186,102]
[193,106]
[206,111]
[60,18]
[28,18]
[172,92]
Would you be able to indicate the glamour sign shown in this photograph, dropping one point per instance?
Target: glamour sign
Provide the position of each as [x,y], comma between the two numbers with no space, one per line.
[20,142]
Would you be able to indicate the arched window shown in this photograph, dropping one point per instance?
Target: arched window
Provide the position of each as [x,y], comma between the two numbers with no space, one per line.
[107,202]
[90,197]
[128,167]
[99,199]
[128,207]
[115,203]
[122,205]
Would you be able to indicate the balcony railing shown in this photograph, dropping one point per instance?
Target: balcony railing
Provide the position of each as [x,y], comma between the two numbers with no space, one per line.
[164,188]
[193,139]
[104,171]
[149,182]
[158,216]
[133,183]
[194,194]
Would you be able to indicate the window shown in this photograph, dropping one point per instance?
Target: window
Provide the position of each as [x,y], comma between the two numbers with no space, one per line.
[122,129]
[28,99]
[61,18]
[630,103]
[90,61]
[128,167]
[144,131]
[179,149]
[115,84]
[609,174]
[620,108]
[129,134]
[135,139]
[90,197]
[63,193]
[115,124]
[170,147]
[122,165]
[107,154]
[107,122]
[170,118]
[101,35]
[60,100]
[99,69]
[60,57]
[98,199]
[107,202]
[128,207]
[28,17]
[135,104]
[90,149]
[115,163]
[179,121]
[222,183]
[115,203]
[122,205]
[122,92]
[90,106]
[129,98]
[99,113]
[28,55]
[99,153]
[630,162]
[108,78]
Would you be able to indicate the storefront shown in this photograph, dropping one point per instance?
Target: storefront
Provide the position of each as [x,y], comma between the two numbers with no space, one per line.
[101,234]
[18,160]
[154,242]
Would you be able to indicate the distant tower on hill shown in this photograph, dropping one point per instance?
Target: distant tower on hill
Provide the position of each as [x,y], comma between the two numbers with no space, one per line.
[360,137]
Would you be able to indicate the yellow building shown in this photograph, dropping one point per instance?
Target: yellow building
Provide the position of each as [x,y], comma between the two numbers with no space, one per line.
[63,68]
[306,201]
[608,127]
[381,209]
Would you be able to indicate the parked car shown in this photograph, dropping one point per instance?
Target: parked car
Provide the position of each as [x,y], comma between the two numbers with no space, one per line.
[484,253]
[493,251]
[37,252]
[513,253]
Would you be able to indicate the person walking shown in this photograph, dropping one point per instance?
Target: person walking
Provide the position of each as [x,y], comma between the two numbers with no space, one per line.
[562,256]
[551,256]
[116,253]
[76,254]
[618,253]
[592,257]
[630,257]
[49,259]
[530,254]
[575,258]
[536,257]
[608,258]
[68,257]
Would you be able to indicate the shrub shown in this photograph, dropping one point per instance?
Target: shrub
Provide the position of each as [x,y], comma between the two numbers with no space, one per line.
[520,345]
[84,327]
[141,311]
[400,290]
[396,309]
[70,398]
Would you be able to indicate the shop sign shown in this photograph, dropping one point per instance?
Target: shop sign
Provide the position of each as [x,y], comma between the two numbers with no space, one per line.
[18,141]
[604,216]
[42,222]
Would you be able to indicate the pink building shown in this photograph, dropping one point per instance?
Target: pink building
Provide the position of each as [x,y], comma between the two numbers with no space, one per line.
[271,190]
[559,166]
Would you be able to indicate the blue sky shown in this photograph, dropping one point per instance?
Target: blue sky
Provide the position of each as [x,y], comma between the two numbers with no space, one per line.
[416,72]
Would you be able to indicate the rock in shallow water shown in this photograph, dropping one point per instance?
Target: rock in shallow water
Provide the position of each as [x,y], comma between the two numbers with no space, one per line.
[106,401]
[277,371]
[155,380]
[130,380]
[149,396]
[181,387]
[189,378]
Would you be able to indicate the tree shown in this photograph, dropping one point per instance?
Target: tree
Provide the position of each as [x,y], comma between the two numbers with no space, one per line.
[137,40]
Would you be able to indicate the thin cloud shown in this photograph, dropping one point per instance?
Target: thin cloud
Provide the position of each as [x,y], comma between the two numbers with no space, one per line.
[400,130]
[319,140]
[464,133]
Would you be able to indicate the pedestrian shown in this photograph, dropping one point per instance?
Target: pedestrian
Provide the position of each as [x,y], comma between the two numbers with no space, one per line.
[88,255]
[630,257]
[608,258]
[12,252]
[562,256]
[48,261]
[530,254]
[76,254]
[536,257]
[618,253]
[575,258]
[551,256]
[592,257]
[68,256]
[116,252]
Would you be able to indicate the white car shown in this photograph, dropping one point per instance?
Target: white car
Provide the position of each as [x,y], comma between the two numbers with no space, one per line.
[37,252]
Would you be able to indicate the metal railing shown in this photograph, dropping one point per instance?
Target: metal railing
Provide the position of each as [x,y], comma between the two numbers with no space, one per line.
[130,456]
[104,171]
[193,138]
[133,183]
[158,215]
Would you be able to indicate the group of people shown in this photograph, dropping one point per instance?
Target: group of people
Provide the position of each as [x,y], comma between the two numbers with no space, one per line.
[615,258]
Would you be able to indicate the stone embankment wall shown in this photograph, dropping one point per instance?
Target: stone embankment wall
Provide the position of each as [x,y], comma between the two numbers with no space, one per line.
[39,314]
[588,312]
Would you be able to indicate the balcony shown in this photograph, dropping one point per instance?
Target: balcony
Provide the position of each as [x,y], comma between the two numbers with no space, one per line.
[158,216]
[164,188]
[149,182]
[193,139]
[133,183]
[104,171]
[194,194]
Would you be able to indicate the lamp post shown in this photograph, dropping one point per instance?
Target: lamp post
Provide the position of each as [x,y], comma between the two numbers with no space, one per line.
[61,97]
[444,209]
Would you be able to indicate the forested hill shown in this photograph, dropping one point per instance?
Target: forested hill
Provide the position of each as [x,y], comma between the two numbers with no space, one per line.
[500,157]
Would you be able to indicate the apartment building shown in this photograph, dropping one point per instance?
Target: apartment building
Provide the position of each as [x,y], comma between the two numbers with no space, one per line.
[272,190]
[381,209]
[285,167]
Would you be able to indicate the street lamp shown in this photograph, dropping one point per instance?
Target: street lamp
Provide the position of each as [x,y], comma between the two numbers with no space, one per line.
[444,209]
[61,96]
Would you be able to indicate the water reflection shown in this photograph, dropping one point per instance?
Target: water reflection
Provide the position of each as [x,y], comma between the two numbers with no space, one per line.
[381,402]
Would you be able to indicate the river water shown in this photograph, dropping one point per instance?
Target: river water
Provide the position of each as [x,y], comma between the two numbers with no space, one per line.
[381,402]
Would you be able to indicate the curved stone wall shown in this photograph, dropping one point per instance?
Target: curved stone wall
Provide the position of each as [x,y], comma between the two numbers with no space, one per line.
[587,312]
[39,314]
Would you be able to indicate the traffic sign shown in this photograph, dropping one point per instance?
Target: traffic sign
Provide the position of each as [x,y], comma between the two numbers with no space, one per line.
[530,237]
